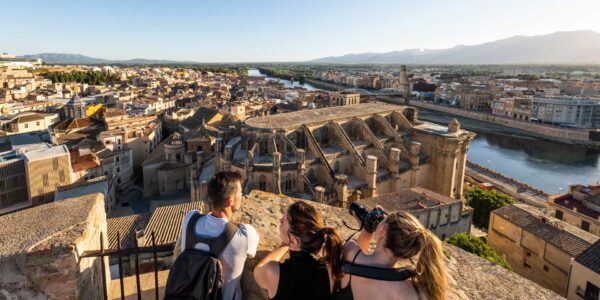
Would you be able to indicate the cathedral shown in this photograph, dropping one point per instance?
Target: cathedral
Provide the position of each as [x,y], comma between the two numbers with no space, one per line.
[337,155]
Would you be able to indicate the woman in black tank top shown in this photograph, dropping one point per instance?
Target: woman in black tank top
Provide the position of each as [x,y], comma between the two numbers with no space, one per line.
[400,240]
[314,262]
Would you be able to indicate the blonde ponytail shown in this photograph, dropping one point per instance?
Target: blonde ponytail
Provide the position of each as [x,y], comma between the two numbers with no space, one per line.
[408,239]
[431,272]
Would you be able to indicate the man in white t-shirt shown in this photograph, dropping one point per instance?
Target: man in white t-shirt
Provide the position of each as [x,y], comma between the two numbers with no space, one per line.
[225,197]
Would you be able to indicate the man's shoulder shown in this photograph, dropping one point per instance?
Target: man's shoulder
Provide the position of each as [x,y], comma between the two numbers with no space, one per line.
[247,230]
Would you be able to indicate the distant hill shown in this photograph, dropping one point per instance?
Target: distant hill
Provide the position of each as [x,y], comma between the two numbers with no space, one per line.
[567,47]
[78,59]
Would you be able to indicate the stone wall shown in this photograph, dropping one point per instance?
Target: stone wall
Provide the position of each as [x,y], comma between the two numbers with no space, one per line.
[554,133]
[41,248]
[471,277]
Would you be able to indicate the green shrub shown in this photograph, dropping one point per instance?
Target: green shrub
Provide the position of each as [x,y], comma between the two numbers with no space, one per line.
[472,244]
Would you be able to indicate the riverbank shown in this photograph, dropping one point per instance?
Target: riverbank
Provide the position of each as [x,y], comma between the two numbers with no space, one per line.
[507,185]
[563,135]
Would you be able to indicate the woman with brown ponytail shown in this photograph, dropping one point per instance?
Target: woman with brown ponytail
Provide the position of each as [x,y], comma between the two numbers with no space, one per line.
[314,262]
[403,246]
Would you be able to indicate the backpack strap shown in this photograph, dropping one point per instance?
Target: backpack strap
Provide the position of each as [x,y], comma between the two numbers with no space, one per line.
[217,244]
[190,236]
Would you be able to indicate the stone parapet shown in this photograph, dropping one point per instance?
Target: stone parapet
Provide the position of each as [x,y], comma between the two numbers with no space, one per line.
[41,248]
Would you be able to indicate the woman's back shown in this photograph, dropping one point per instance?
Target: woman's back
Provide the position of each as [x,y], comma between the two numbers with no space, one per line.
[370,289]
[303,277]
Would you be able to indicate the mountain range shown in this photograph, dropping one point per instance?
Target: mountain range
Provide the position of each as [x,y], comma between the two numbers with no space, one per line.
[565,47]
[78,59]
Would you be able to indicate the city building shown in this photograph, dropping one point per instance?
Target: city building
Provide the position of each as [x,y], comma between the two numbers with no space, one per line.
[104,185]
[518,108]
[581,113]
[443,215]
[30,122]
[46,169]
[330,153]
[537,246]
[141,134]
[476,98]
[168,169]
[584,276]
[580,207]
[74,109]
[341,99]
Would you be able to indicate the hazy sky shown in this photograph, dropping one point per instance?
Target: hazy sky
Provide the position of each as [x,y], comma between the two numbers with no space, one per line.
[278,30]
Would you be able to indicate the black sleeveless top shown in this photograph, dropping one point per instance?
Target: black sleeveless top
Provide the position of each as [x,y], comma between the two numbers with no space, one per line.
[303,277]
[346,292]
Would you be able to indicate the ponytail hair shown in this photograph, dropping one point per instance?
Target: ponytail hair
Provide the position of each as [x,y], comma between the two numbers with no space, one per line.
[332,250]
[407,239]
[307,224]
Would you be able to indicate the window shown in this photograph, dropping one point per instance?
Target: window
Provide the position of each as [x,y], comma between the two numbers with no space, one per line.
[118,169]
[26,125]
[591,292]
[288,183]
[585,225]
[526,266]
[528,254]
[546,268]
[117,158]
[37,123]
[262,183]
[558,214]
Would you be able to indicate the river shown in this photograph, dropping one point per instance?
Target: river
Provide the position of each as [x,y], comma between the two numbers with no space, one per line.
[287,83]
[543,164]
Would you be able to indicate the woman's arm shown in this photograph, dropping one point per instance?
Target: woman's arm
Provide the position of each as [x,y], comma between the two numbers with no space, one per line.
[266,272]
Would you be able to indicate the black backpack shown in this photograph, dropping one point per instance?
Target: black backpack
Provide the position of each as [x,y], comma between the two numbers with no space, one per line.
[196,274]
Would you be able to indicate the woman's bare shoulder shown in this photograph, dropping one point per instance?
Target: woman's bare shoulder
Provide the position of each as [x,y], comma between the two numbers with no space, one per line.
[350,249]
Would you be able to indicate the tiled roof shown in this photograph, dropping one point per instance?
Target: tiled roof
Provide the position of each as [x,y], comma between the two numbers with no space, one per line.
[560,238]
[590,258]
[166,222]
[126,227]
[567,201]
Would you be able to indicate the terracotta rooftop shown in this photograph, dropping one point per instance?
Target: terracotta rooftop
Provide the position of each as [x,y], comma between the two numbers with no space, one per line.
[125,228]
[567,201]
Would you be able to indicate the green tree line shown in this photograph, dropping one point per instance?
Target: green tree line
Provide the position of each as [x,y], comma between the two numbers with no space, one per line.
[89,77]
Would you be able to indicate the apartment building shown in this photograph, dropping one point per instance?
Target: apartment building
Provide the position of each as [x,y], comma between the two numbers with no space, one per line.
[579,113]
[46,169]
[580,207]
[537,246]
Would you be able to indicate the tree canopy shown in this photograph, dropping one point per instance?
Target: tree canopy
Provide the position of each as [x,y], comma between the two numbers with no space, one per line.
[89,77]
[484,202]
[472,244]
